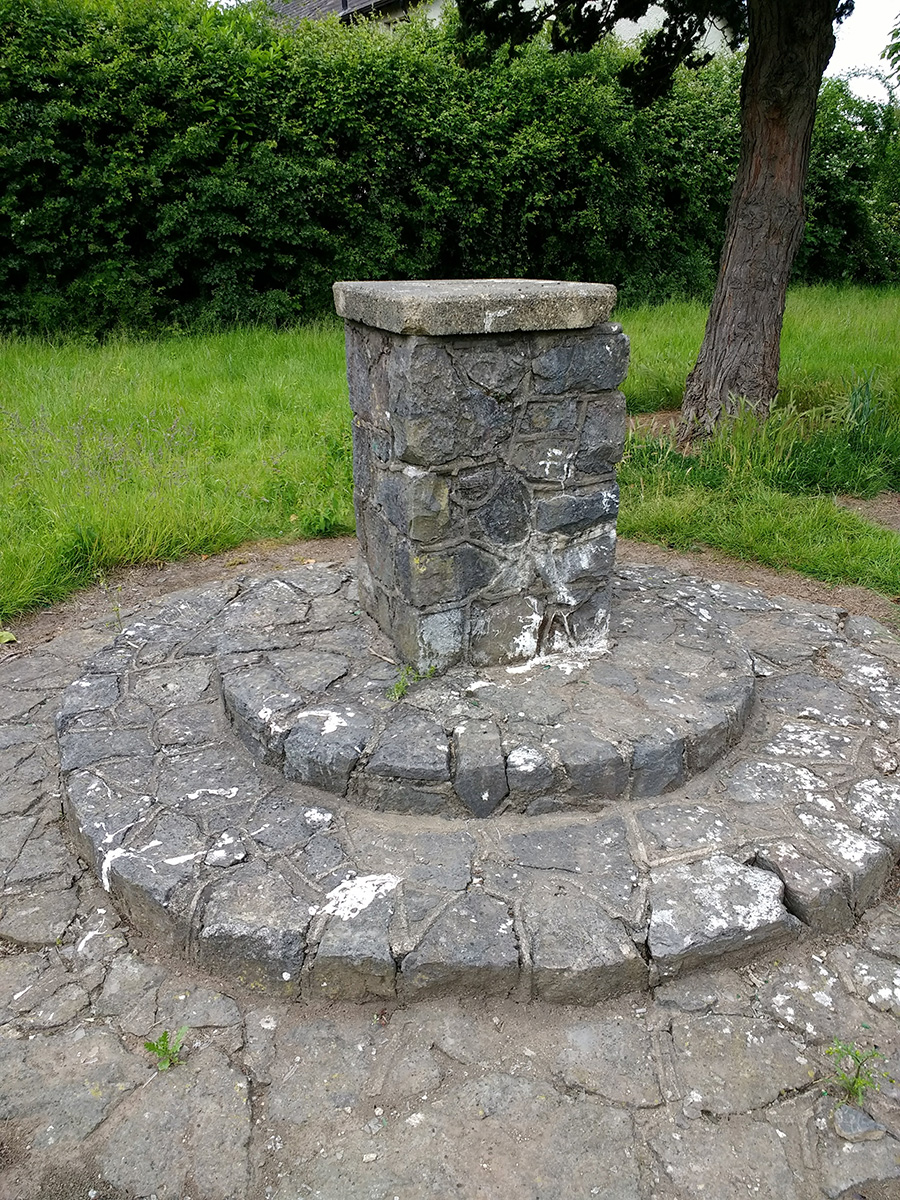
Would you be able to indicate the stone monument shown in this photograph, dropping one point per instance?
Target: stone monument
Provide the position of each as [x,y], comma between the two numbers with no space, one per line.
[486,428]
[554,813]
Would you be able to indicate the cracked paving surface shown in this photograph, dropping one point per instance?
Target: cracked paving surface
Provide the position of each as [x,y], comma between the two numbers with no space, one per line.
[711,1083]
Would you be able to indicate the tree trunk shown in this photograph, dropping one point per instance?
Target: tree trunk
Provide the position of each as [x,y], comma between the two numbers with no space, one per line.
[790,44]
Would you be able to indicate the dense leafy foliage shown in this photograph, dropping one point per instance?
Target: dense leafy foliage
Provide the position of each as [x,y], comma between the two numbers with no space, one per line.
[169,165]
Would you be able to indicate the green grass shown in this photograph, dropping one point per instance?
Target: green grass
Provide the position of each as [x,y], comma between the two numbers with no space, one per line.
[751,521]
[137,452]
[146,451]
[763,491]
[831,337]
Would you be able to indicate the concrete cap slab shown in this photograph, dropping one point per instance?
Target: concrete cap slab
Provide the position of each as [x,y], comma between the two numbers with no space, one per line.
[448,307]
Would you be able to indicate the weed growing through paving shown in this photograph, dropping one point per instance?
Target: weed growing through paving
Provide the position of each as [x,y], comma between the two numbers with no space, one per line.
[854,1071]
[168,1049]
[407,677]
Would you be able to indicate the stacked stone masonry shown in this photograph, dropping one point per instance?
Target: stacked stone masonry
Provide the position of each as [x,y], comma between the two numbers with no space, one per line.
[484,465]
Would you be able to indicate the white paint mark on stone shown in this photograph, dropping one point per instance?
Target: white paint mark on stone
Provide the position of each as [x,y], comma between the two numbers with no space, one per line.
[351,896]
[492,316]
[318,816]
[524,758]
[332,720]
[108,859]
[180,859]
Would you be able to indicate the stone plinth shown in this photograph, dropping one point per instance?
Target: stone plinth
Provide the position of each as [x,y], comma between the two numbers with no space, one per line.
[487,425]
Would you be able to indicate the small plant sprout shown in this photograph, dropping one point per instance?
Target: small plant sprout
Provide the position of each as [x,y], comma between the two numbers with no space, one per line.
[408,676]
[854,1069]
[167,1049]
[6,637]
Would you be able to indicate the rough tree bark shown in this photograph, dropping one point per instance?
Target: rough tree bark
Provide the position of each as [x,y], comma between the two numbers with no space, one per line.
[790,44]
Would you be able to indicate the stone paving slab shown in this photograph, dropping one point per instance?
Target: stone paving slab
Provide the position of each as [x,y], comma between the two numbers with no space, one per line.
[281,1096]
[564,830]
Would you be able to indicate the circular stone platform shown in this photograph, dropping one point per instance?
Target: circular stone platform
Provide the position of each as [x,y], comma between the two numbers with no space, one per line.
[329,708]
[724,777]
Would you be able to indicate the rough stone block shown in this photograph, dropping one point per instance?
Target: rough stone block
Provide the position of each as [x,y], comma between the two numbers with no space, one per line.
[505,518]
[543,458]
[612,1059]
[470,418]
[84,695]
[479,774]
[380,548]
[602,434]
[363,461]
[705,910]
[281,822]
[575,572]
[865,862]
[676,828]
[589,622]
[876,804]
[86,748]
[579,955]
[324,746]
[473,486]
[504,631]
[733,1064]
[571,512]
[366,371]
[427,639]
[812,744]
[470,948]
[592,360]
[417,502]
[529,770]
[498,365]
[406,796]
[551,414]
[710,732]
[815,893]
[754,782]
[657,766]
[433,578]
[260,702]
[145,876]
[353,960]
[596,769]
[253,930]
[412,747]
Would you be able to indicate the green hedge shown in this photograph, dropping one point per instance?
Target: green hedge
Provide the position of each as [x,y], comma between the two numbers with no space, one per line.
[167,165]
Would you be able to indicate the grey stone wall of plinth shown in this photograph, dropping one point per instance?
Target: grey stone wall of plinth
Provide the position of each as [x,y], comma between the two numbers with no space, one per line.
[487,423]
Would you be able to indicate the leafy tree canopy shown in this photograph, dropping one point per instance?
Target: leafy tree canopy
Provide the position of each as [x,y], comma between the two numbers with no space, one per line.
[892,50]
[579,24]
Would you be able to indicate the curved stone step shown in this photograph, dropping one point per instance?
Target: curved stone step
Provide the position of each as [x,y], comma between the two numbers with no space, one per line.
[286,888]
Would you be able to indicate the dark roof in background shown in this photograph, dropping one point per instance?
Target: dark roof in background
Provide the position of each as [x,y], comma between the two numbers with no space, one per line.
[297,10]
